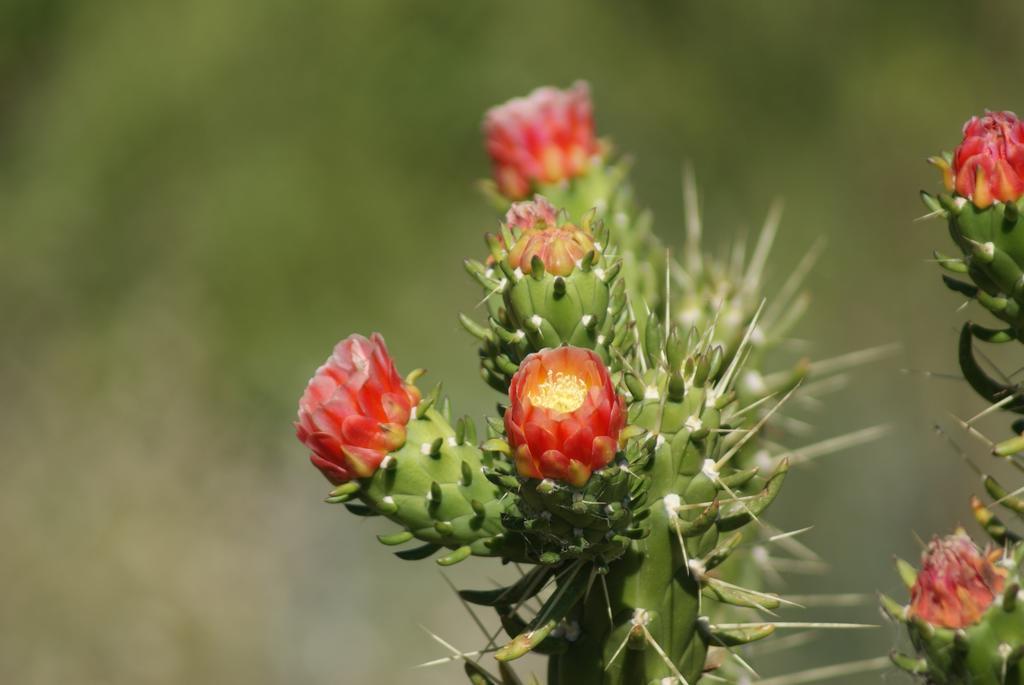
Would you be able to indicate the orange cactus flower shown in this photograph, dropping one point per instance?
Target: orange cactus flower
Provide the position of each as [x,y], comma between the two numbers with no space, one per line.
[564,416]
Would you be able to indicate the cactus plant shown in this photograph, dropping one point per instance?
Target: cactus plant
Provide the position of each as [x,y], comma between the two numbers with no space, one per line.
[964,620]
[615,472]
[692,289]
[984,182]
[724,296]
[631,490]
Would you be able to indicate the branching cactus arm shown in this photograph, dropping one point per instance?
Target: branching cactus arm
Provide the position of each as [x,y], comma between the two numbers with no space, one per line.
[984,183]
[393,454]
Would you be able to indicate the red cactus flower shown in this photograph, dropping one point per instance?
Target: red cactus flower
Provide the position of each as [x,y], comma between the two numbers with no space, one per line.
[545,137]
[355,409]
[558,247]
[564,416]
[956,583]
[989,163]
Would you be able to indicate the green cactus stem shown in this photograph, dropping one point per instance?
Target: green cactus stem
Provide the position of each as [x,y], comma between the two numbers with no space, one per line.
[598,521]
[530,309]
[435,489]
[991,242]
[638,617]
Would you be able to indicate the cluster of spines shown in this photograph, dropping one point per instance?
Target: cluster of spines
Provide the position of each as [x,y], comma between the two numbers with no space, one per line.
[689,385]
[675,396]
[725,296]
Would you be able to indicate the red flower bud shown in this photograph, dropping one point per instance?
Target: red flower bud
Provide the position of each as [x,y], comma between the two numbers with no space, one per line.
[525,218]
[545,137]
[355,409]
[564,416]
[558,247]
[956,583]
[989,163]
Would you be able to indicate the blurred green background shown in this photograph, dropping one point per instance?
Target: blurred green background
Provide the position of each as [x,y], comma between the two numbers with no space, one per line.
[198,198]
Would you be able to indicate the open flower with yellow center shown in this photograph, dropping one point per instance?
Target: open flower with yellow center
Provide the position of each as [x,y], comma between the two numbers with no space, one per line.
[564,416]
[957,583]
[545,137]
[355,410]
[559,248]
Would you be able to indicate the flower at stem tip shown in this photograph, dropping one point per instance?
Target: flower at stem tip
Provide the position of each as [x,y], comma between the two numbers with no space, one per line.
[564,417]
[545,137]
[957,582]
[355,409]
[988,165]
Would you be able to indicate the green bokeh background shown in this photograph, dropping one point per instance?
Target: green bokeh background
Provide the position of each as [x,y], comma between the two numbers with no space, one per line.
[198,198]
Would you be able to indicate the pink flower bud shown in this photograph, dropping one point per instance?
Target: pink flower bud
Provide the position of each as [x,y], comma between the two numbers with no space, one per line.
[956,584]
[355,409]
[545,137]
[989,163]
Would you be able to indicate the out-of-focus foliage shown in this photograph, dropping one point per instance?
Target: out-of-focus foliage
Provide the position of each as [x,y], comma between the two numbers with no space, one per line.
[197,199]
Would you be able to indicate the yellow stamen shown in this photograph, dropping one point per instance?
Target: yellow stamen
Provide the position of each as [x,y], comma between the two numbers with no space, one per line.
[560,391]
